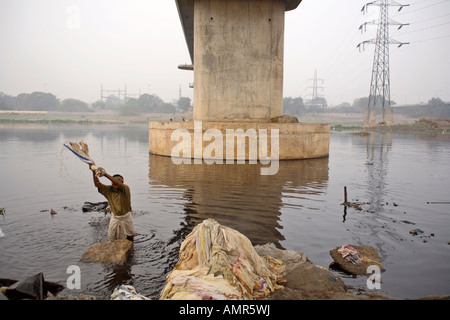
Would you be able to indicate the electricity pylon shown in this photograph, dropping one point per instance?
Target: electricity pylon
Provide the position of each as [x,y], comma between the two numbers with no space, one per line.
[380,82]
[315,90]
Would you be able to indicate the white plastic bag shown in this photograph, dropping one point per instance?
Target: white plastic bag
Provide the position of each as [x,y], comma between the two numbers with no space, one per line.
[126,292]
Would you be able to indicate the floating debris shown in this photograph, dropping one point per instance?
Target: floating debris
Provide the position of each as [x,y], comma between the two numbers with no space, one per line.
[53,212]
[416,232]
[355,204]
[98,206]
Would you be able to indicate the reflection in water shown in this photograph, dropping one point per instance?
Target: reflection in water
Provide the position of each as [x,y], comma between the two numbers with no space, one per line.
[378,147]
[237,195]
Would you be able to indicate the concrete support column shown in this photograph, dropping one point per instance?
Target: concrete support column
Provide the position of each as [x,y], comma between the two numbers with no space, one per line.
[238,61]
[373,117]
[390,116]
[367,117]
[237,49]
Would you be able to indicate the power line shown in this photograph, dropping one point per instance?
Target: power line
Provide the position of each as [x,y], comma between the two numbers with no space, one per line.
[420,8]
[426,28]
[436,38]
[315,89]
[432,18]
[342,44]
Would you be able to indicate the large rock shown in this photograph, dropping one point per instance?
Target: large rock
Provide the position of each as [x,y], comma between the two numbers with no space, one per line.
[284,119]
[97,207]
[115,252]
[369,257]
[304,280]
[307,281]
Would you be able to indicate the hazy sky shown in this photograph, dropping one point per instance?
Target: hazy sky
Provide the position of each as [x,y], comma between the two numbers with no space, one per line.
[71,47]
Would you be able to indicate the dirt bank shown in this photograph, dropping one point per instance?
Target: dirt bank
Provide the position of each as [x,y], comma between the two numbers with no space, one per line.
[307,281]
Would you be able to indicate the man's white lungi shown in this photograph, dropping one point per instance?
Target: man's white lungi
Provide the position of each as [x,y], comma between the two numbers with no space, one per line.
[120,226]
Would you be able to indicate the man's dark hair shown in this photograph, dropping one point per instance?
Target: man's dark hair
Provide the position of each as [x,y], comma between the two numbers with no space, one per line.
[117,175]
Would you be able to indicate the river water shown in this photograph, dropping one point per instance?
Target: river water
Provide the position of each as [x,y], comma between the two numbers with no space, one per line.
[396,175]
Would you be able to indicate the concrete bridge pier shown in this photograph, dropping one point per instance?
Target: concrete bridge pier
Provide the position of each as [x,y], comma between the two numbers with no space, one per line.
[237,51]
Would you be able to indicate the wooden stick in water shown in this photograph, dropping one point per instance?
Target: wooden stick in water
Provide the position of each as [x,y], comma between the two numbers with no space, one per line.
[345,195]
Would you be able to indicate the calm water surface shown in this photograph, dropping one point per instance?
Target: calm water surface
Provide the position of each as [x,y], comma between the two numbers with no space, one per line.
[299,208]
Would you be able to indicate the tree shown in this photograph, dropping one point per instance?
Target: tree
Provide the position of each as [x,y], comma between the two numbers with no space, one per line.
[74,105]
[131,108]
[317,104]
[184,103]
[293,106]
[99,105]
[37,101]
[360,104]
[436,102]
[166,108]
[149,103]
[4,102]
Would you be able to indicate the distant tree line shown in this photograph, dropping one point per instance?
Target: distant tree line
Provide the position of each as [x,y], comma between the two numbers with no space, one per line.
[297,106]
[151,103]
[40,101]
[146,103]
[435,108]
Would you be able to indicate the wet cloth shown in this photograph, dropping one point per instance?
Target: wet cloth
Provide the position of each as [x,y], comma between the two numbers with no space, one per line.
[350,254]
[81,150]
[217,262]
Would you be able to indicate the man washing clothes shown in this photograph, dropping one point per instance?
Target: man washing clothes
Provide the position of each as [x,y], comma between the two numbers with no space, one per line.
[121,225]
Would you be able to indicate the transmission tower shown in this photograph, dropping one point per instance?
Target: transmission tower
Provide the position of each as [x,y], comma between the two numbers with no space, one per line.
[315,89]
[380,82]
[104,94]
